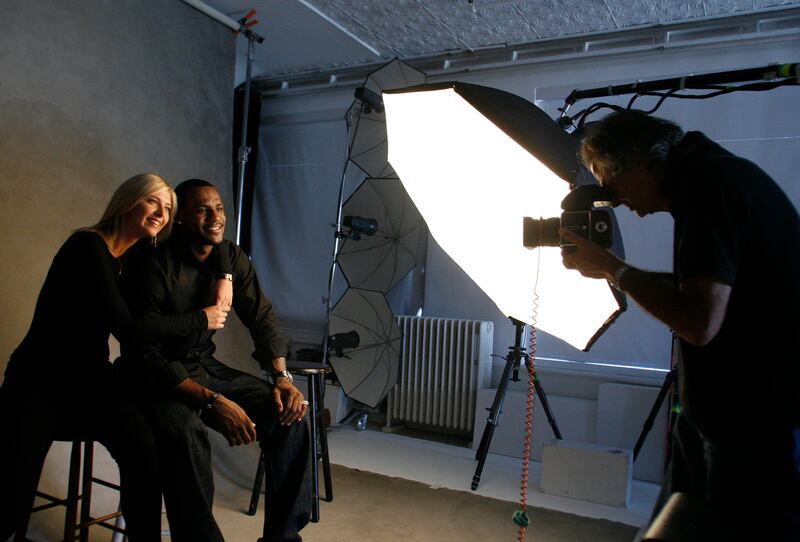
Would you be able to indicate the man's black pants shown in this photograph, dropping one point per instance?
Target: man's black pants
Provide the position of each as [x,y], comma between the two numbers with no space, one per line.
[185,458]
[750,485]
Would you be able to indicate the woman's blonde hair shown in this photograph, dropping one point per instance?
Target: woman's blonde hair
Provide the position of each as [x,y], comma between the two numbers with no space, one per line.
[127,196]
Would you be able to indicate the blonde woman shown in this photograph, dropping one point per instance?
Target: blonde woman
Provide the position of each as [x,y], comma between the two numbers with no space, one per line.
[59,382]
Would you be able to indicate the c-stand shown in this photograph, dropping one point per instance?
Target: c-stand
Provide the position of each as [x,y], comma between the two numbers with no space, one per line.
[516,355]
[670,382]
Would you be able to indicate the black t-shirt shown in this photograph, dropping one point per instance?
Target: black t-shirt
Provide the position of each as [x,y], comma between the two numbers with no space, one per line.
[734,224]
[79,305]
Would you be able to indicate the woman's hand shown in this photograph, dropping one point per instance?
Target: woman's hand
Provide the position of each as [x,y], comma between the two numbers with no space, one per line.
[216,315]
[223,292]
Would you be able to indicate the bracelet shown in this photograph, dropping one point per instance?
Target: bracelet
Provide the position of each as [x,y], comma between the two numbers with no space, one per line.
[618,274]
[211,400]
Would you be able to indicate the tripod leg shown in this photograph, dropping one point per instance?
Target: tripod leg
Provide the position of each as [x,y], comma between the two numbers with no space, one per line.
[492,421]
[546,406]
[648,423]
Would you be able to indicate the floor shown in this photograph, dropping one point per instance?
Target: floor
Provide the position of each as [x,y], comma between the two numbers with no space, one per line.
[436,464]
[452,467]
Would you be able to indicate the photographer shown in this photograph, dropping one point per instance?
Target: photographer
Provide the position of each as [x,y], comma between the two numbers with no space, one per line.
[733,301]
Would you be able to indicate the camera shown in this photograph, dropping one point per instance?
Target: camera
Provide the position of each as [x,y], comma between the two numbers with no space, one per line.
[579,216]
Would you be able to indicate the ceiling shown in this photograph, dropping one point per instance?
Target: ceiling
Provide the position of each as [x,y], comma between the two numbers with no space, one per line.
[307,37]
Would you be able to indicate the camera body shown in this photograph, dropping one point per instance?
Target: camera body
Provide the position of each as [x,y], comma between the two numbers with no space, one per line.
[579,216]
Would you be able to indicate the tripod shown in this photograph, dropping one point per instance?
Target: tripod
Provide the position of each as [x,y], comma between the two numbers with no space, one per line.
[516,355]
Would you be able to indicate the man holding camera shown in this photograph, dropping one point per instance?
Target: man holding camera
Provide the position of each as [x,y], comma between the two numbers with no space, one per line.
[732,300]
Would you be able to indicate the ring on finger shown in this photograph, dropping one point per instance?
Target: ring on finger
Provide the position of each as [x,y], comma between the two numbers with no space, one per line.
[304,402]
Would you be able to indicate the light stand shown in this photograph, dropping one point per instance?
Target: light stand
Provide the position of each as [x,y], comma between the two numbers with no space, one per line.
[516,355]
[357,226]
[252,39]
[244,149]
[669,381]
[338,236]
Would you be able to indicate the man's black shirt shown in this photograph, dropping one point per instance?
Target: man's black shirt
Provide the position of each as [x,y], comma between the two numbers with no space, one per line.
[735,225]
[173,281]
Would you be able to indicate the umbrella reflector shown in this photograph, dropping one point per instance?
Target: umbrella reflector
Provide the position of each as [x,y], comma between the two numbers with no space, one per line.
[378,262]
[369,371]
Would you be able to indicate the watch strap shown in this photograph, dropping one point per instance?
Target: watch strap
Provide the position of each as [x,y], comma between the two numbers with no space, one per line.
[282,374]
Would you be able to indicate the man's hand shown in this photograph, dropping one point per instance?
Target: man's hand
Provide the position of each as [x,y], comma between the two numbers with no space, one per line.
[231,420]
[589,258]
[223,293]
[216,315]
[289,402]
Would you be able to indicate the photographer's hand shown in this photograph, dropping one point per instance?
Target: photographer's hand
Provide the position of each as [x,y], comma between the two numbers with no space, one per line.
[588,258]
[694,310]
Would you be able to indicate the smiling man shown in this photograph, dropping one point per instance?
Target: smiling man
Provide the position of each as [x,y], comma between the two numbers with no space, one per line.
[190,389]
[732,299]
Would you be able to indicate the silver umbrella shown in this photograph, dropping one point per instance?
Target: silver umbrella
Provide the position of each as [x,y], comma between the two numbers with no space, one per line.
[367,372]
[368,146]
[379,261]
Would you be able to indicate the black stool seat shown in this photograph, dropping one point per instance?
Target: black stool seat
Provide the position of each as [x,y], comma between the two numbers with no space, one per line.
[315,373]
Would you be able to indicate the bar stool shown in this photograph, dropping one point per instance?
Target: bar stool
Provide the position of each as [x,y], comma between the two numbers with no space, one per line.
[79,489]
[315,374]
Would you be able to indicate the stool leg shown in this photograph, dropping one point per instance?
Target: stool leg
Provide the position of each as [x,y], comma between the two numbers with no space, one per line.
[312,404]
[257,486]
[73,492]
[119,522]
[86,492]
[323,439]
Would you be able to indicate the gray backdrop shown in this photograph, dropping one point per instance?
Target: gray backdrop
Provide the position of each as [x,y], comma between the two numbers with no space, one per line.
[91,93]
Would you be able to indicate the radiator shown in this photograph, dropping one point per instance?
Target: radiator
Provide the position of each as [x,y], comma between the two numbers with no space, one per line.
[443,363]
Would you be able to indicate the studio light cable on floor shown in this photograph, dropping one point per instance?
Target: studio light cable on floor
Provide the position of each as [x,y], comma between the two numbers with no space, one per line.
[521,516]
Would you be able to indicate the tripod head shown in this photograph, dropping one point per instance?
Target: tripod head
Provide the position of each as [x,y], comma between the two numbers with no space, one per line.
[517,353]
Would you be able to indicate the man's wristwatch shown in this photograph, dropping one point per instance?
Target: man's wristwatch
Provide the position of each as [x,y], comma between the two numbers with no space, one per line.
[282,374]
[226,276]
[617,277]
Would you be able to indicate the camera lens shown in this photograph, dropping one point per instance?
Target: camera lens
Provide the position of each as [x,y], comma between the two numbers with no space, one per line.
[541,233]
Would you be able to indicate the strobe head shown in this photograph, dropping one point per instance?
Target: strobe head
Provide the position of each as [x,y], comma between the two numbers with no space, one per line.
[360,226]
[339,341]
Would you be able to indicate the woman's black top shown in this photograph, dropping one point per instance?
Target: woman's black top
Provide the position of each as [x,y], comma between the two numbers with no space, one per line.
[80,305]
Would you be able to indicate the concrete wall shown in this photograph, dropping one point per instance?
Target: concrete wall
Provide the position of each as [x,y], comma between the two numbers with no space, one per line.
[92,92]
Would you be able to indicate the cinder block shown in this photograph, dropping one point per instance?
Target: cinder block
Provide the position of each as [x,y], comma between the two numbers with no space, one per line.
[587,472]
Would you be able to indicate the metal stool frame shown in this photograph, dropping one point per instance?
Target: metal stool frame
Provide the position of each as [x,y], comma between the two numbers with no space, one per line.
[315,374]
